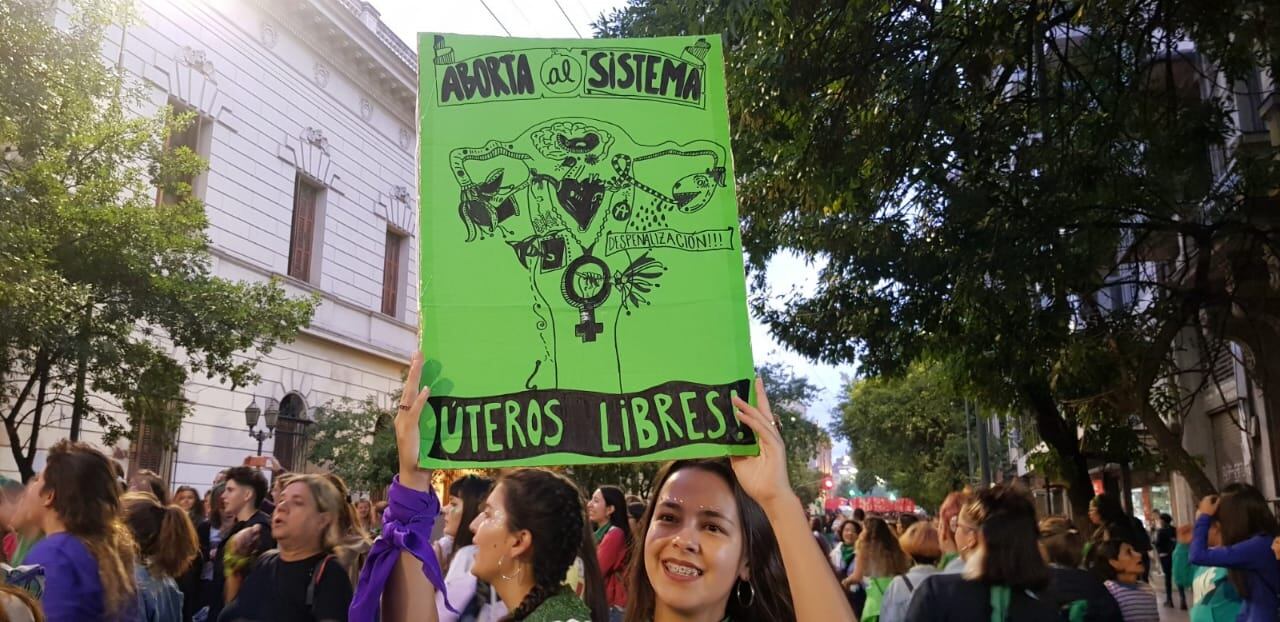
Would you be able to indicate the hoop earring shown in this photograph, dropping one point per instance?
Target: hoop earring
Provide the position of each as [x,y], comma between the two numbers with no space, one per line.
[750,599]
[504,576]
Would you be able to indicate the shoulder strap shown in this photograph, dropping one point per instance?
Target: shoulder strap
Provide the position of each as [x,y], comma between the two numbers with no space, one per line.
[907,580]
[317,571]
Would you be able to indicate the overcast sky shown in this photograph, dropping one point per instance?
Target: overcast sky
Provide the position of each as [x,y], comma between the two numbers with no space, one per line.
[573,18]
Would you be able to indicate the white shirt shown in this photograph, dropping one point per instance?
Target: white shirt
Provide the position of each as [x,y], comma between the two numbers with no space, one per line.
[955,566]
[461,585]
[837,562]
[893,608]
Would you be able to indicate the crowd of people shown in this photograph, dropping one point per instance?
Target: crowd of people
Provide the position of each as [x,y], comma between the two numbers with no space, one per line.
[987,556]
[713,539]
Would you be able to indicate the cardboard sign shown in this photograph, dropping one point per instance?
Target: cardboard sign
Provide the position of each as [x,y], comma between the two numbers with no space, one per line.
[583,295]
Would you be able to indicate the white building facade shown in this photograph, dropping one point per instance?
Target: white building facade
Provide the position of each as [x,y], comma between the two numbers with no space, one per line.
[307,119]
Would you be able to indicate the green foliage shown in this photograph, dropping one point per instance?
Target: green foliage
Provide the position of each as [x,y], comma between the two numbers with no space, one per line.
[102,288]
[634,478]
[789,396]
[357,441]
[909,431]
[980,180]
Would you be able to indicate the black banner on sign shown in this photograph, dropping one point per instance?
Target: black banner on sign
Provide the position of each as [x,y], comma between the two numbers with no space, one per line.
[600,425]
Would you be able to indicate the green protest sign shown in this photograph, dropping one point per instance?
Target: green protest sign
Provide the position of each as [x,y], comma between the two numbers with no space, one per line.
[583,298]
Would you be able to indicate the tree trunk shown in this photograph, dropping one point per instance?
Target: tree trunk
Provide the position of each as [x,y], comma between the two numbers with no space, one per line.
[39,379]
[1174,454]
[984,449]
[81,406]
[26,466]
[1062,437]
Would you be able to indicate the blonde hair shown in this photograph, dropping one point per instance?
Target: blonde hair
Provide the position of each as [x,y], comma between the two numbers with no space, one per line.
[17,605]
[328,501]
[1063,543]
[920,542]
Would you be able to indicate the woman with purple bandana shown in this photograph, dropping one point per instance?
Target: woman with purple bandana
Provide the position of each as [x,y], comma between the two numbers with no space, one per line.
[532,527]
[402,555]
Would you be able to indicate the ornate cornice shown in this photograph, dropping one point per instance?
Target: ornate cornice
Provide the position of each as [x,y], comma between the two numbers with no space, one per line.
[342,42]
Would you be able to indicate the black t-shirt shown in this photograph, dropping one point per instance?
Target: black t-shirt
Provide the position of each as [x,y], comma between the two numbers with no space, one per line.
[276,591]
[1166,540]
[265,543]
[1067,585]
[952,598]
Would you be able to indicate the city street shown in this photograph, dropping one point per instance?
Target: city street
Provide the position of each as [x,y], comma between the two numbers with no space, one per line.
[601,309]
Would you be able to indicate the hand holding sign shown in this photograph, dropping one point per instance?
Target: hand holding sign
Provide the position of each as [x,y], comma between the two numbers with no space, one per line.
[764,477]
[408,441]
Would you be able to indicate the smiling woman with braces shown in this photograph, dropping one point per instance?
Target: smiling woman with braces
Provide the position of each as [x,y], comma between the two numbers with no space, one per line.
[715,535]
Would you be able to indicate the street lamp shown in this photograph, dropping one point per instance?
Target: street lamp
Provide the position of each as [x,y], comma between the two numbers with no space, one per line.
[251,414]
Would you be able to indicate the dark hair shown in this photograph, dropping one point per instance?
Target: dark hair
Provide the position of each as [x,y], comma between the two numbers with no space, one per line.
[772,591]
[1101,554]
[857,530]
[197,509]
[553,510]
[1010,554]
[905,521]
[164,534]
[86,498]
[215,506]
[1115,522]
[859,515]
[618,517]
[1062,542]
[251,478]
[1166,518]
[154,484]
[472,489]
[635,509]
[1242,514]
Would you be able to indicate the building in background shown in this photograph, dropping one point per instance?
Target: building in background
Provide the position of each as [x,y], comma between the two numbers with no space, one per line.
[306,115]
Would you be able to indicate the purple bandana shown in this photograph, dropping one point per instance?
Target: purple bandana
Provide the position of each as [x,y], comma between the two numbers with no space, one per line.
[406,526]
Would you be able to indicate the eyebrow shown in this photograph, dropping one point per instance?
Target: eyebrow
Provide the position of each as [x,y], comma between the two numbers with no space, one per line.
[712,512]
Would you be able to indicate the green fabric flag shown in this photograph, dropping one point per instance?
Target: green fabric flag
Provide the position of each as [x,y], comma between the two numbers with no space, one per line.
[583,295]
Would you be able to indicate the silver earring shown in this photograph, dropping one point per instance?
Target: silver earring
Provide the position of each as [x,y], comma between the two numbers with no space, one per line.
[751,590]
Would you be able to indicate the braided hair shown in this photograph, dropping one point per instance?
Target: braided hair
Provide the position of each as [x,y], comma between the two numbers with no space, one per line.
[552,509]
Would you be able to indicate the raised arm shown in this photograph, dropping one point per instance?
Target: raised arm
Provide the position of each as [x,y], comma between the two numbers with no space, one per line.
[1251,553]
[814,589]
[402,572]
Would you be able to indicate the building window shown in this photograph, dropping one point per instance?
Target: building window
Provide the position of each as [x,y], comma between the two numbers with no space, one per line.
[291,444]
[193,136]
[391,273]
[306,214]
[151,449]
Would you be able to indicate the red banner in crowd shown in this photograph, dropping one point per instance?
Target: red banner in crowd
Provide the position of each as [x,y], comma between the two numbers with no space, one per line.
[881,505]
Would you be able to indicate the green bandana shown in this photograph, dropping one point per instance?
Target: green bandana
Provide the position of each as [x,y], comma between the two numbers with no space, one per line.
[1000,597]
[602,530]
[846,553]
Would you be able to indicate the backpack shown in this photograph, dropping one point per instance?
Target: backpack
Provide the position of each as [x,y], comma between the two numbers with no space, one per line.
[875,597]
